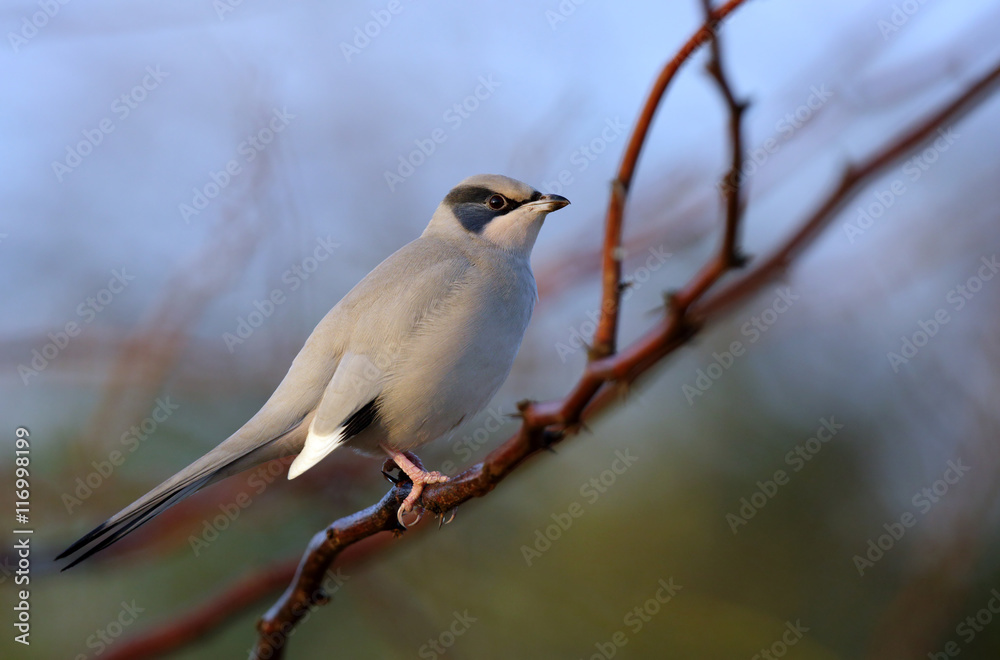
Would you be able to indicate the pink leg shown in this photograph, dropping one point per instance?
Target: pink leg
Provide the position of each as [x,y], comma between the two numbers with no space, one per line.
[417,475]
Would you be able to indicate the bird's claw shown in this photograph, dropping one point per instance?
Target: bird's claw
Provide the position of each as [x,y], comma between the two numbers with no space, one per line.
[404,511]
[419,480]
[451,516]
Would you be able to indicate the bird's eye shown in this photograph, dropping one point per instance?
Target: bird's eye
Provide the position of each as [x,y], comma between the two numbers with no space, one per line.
[496,202]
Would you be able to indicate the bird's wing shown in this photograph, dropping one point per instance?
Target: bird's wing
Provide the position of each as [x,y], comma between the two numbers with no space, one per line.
[348,406]
[411,286]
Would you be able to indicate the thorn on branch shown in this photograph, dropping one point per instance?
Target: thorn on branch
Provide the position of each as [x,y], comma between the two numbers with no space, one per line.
[738,259]
[549,437]
[388,467]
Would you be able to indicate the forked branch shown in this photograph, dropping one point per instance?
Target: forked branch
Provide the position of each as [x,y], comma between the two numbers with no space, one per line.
[547,423]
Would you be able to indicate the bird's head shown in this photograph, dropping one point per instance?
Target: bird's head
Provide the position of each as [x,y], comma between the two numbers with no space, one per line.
[497,209]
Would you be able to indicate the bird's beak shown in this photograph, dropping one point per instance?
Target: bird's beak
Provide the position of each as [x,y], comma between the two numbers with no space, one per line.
[549,203]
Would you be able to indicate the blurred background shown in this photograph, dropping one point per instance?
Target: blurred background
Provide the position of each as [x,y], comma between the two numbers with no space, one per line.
[827,490]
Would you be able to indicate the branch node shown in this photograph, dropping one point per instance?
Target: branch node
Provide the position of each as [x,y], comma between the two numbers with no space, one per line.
[849,174]
[594,353]
[738,259]
[549,437]
[619,189]
[670,302]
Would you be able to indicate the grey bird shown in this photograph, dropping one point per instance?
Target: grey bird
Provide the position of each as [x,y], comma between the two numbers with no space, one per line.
[423,342]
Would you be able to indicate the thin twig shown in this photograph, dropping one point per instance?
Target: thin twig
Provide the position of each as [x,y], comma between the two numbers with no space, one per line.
[850,183]
[729,255]
[611,260]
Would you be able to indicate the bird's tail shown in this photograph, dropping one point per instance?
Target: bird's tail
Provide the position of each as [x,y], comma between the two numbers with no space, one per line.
[217,464]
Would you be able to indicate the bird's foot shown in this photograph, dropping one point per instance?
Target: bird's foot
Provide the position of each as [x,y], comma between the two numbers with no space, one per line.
[411,466]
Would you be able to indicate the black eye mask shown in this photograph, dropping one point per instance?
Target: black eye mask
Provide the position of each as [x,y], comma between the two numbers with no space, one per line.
[470,206]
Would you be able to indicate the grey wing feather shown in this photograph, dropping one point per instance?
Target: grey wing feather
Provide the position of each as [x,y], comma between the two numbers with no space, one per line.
[392,299]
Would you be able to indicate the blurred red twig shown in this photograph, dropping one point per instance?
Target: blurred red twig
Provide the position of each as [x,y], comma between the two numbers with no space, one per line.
[149,353]
[611,260]
[209,616]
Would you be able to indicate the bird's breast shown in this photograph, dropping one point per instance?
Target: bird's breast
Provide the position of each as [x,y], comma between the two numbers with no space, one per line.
[458,355]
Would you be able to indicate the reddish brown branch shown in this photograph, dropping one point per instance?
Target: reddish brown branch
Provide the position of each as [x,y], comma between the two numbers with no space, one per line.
[547,423]
[851,183]
[611,260]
